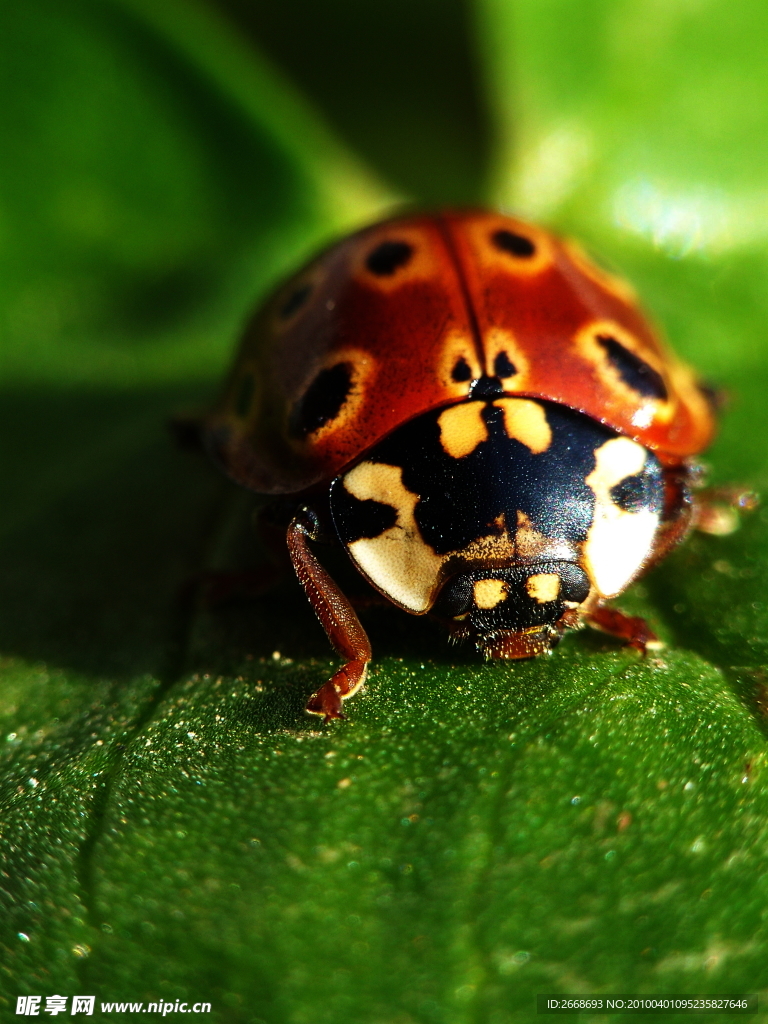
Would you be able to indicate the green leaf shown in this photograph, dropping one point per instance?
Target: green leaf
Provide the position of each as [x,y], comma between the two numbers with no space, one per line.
[157,176]
[173,825]
[643,131]
[398,80]
[459,845]
[146,196]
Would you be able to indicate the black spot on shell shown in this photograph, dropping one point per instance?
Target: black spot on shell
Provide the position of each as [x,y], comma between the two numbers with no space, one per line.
[295,301]
[635,373]
[244,395]
[322,401]
[515,245]
[461,370]
[503,366]
[363,518]
[388,257]
[634,493]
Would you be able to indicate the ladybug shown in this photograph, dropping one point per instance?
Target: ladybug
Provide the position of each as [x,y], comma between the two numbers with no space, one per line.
[483,419]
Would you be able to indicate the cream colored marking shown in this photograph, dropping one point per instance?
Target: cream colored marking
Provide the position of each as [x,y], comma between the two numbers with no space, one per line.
[453,346]
[495,546]
[685,386]
[526,422]
[485,252]
[528,545]
[360,683]
[489,593]
[426,262]
[543,587]
[498,339]
[398,562]
[462,428]
[618,541]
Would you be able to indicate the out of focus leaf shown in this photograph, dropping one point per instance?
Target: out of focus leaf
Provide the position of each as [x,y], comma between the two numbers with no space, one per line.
[173,825]
[146,196]
[145,189]
[398,80]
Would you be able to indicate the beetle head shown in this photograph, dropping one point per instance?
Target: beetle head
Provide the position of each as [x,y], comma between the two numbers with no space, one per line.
[512,612]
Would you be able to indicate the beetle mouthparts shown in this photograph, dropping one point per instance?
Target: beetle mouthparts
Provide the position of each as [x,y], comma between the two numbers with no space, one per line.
[514,646]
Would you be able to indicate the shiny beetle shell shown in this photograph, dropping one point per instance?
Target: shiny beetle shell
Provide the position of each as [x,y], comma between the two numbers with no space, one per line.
[403,317]
[481,417]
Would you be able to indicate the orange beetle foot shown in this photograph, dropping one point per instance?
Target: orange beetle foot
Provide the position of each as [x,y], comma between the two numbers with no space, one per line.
[327,700]
[633,630]
[338,619]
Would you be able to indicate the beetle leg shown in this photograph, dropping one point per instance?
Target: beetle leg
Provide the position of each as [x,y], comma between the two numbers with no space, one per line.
[634,630]
[338,619]
[677,518]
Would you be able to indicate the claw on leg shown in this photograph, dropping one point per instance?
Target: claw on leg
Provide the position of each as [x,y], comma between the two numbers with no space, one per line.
[338,619]
[327,700]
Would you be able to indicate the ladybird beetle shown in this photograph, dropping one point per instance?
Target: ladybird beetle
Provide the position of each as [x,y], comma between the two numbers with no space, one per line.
[482,417]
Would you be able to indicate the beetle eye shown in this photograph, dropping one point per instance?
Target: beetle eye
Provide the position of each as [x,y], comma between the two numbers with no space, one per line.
[515,245]
[388,257]
[635,373]
[456,596]
[322,401]
[574,584]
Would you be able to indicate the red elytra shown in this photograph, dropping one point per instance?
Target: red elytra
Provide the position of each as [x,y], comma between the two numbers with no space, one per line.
[461,294]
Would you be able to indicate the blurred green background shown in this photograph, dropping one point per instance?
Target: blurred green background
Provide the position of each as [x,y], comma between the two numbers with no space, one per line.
[172,825]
